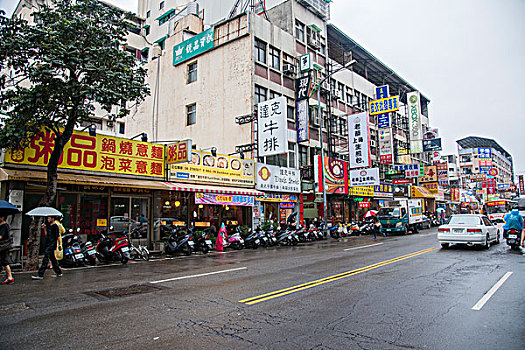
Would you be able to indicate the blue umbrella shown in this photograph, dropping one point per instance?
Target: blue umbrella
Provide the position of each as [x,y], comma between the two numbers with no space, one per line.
[7,208]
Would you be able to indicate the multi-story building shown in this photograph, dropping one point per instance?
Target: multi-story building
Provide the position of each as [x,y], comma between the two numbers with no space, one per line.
[453,169]
[254,58]
[477,155]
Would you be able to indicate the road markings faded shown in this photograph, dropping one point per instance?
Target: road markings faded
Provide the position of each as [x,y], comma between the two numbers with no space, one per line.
[364,246]
[199,275]
[491,292]
[311,284]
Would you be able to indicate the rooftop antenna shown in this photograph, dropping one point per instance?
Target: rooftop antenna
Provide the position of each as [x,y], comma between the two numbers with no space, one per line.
[255,6]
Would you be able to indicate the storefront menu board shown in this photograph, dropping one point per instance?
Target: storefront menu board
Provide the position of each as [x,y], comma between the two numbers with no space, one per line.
[100,153]
[221,169]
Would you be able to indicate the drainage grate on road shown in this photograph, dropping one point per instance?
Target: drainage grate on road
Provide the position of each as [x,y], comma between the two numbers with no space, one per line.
[125,291]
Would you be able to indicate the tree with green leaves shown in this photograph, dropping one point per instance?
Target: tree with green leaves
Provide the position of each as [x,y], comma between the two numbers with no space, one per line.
[55,71]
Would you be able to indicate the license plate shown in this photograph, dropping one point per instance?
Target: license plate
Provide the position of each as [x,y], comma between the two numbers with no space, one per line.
[265,239]
[79,256]
[190,243]
[208,241]
[513,236]
[257,241]
[242,241]
[91,252]
[458,230]
[124,249]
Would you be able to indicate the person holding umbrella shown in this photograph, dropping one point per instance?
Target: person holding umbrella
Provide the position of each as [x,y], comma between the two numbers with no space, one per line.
[6,209]
[49,249]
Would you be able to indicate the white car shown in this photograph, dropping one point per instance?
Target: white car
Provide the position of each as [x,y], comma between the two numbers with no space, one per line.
[470,229]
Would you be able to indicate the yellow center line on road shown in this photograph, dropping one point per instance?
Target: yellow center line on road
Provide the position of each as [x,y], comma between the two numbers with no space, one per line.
[311,284]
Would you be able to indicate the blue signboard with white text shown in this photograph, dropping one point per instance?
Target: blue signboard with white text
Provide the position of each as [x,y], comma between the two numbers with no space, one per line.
[383,120]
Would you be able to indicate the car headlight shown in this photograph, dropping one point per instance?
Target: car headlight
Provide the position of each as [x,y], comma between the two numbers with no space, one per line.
[399,224]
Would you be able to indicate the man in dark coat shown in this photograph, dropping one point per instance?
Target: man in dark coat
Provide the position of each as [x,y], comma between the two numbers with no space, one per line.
[49,249]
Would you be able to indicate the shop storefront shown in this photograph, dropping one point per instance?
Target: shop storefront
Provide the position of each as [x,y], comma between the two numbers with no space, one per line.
[429,201]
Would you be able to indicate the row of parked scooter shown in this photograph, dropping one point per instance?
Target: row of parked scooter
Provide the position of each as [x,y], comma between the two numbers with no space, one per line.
[107,249]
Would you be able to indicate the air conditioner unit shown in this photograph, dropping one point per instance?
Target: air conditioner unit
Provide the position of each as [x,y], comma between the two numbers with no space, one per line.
[110,124]
[289,69]
[314,43]
[325,86]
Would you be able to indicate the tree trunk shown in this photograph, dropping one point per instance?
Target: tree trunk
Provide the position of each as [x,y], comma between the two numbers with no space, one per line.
[48,199]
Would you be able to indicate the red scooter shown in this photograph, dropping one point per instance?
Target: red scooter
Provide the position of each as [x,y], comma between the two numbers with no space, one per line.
[112,250]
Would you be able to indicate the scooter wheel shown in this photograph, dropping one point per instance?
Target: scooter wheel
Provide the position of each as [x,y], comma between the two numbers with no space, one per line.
[205,249]
[187,251]
[124,261]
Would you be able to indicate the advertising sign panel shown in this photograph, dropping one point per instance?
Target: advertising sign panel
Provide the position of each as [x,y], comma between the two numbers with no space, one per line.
[305,62]
[504,186]
[272,127]
[303,129]
[386,146]
[432,145]
[432,187]
[224,199]
[178,152]
[276,179]
[384,190]
[335,175]
[364,177]
[383,119]
[484,153]
[302,88]
[361,191]
[436,156]
[384,105]
[222,169]
[521,184]
[403,181]
[100,153]
[359,140]
[192,47]
[431,134]
[411,170]
[414,122]
[404,159]
[430,174]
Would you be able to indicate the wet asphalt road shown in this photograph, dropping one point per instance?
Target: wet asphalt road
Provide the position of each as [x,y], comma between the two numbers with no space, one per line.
[418,301]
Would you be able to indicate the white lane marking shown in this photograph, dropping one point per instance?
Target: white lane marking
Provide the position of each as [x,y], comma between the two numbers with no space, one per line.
[491,292]
[364,246]
[232,251]
[199,275]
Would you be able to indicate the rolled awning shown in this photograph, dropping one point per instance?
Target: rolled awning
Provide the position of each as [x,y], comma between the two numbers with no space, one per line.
[175,186]
[420,192]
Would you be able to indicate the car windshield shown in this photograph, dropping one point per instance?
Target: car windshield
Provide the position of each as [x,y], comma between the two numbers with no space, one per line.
[496,209]
[464,220]
[388,213]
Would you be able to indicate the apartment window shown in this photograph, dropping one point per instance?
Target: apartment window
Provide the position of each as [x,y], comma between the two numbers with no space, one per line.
[303,155]
[192,72]
[291,113]
[342,127]
[121,128]
[364,102]
[278,160]
[161,6]
[299,31]
[191,114]
[291,155]
[274,94]
[260,51]
[275,58]
[148,14]
[357,98]
[147,30]
[260,94]
[349,99]
[341,91]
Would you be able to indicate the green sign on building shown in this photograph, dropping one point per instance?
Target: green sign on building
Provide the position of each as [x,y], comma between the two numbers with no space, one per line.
[192,47]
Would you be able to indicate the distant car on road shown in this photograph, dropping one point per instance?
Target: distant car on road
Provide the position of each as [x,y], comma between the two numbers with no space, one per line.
[426,223]
[469,229]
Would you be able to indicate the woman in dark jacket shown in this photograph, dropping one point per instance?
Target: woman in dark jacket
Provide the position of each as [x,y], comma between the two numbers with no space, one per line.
[4,239]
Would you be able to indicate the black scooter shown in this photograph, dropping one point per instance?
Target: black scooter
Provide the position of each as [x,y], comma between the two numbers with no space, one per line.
[513,238]
[73,255]
[177,243]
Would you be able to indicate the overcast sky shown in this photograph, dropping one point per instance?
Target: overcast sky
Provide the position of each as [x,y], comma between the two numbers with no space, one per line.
[466,56]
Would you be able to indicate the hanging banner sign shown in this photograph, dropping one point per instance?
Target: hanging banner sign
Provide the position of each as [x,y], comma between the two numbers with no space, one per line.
[383,119]
[224,199]
[194,46]
[302,88]
[100,153]
[386,146]
[305,62]
[276,179]
[272,127]
[484,153]
[222,169]
[359,140]
[411,170]
[303,127]
[521,184]
[364,177]
[432,145]
[431,134]
[335,175]
[179,152]
[384,105]
[414,122]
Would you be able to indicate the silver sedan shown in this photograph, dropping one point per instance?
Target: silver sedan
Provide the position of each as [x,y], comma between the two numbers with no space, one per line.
[470,229]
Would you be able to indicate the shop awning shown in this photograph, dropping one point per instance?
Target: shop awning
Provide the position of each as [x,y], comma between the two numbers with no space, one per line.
[213,189]
[77,179]
[420,192]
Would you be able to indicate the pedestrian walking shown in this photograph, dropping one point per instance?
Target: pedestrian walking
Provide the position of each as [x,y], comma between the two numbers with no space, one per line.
[377,226]
[5,245]
[49,249]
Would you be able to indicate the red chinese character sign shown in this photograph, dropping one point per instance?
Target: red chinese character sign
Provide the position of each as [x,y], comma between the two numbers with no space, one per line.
[335,175]
[179,152]
[100,153]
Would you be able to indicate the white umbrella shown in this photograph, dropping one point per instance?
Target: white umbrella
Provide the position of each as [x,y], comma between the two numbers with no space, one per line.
[370,213]
[44,211]
[440,209]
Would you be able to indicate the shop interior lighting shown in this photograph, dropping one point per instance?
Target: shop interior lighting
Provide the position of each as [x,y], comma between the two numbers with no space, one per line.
[177,204]
[201,206]
[167,203]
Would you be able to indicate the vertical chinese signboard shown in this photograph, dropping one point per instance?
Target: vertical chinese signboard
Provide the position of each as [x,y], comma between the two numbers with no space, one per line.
[100,153]
[414,122]
[359,140]
[386,147]
[335,175]
[383,119]
[272,127]
[442,169]
[521,184]
[302,90]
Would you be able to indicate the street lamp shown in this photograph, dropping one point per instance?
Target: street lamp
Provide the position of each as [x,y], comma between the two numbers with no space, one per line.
[321,133]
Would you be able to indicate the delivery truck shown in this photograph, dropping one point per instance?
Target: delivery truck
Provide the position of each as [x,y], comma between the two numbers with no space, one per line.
[401,216]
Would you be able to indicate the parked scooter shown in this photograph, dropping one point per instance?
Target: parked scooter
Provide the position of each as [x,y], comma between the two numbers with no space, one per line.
[179,243]
[252,240]
[235,241]
[112,250]
[73,255]
[90,252]
[202,241]
[137,253]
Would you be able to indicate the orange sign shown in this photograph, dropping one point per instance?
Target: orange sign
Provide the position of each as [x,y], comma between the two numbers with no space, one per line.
[100,153]
[179,152]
